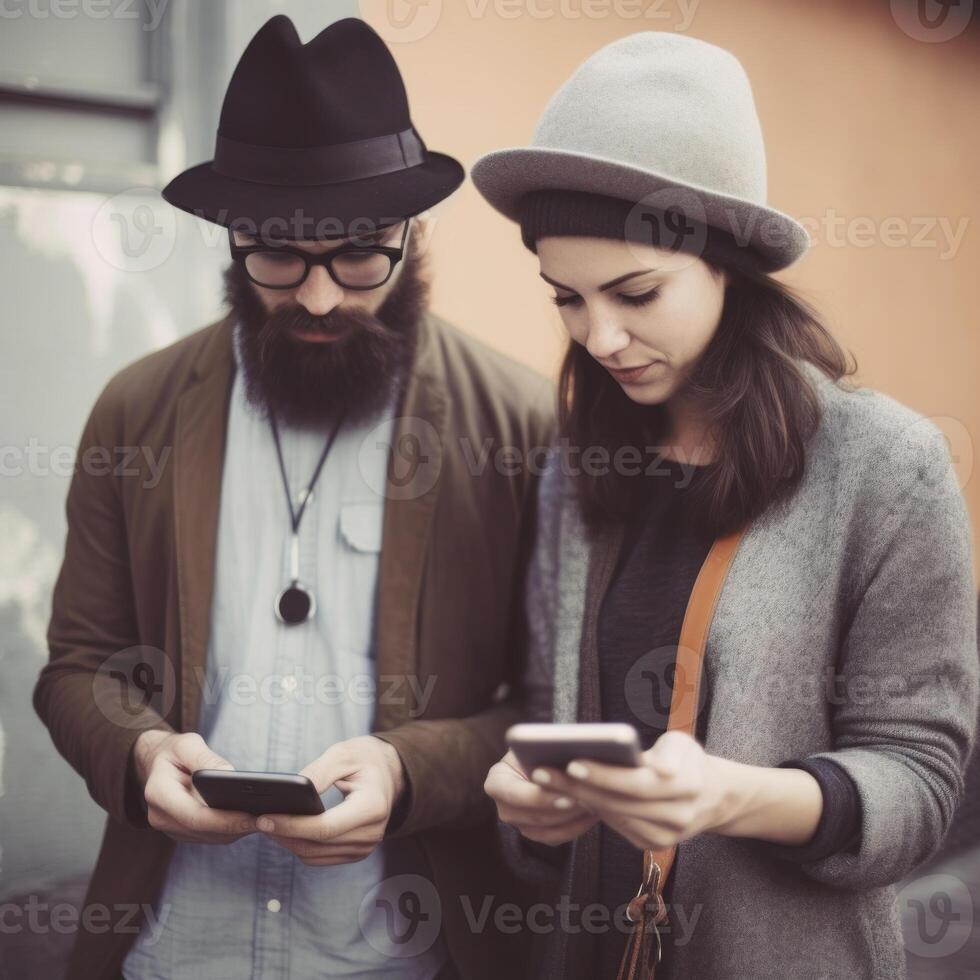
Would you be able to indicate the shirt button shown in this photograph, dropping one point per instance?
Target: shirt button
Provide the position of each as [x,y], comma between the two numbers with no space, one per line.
[289,683]
[273,905]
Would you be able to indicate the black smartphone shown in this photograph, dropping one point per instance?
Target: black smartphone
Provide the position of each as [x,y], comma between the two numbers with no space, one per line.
[555,746]
[258,792]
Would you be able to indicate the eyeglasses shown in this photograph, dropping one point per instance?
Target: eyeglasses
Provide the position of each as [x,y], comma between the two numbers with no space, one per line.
[286,267]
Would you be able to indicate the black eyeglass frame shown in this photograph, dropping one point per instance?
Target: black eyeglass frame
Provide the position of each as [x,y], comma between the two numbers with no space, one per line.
[240,253]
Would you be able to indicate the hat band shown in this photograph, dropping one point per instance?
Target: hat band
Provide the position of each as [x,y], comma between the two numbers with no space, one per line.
[311,165]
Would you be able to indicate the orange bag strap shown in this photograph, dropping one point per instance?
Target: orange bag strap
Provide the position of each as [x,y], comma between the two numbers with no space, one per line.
[647,909]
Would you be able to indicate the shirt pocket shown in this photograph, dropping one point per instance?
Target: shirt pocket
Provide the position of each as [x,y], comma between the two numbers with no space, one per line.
[356,581]
[361,526]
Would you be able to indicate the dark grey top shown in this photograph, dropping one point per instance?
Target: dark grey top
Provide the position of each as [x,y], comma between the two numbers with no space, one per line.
[639,627]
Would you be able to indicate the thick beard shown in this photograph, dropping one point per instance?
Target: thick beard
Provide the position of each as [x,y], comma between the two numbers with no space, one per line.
[307,384]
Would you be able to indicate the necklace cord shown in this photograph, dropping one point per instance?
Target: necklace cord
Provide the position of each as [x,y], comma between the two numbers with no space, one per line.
[296,516]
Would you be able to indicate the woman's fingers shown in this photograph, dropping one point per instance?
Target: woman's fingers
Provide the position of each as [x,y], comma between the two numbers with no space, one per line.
[554,817]
[525,805]
[561,834]
[673,811]
[593,780]
[510,789]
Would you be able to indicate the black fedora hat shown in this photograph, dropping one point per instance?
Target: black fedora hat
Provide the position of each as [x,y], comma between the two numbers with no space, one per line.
[315,141]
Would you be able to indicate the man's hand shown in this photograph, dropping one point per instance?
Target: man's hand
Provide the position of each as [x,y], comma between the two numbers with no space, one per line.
[540,815]
[164,763]
[369,772]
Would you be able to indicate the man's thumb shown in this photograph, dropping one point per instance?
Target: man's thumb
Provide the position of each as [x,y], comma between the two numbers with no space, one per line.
[199,755]
[334,764]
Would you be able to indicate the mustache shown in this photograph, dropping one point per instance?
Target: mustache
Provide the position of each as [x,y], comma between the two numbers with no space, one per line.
[339,323]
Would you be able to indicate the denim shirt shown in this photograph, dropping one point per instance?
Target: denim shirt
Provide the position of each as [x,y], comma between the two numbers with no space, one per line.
[275,697]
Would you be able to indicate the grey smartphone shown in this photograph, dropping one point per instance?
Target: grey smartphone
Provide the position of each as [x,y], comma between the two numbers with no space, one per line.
[258,792]
[613,743]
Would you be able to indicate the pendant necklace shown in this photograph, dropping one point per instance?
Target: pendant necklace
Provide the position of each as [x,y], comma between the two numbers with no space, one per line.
[295,603]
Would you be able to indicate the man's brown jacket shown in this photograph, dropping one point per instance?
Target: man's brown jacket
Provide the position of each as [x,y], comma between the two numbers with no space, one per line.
[138,572]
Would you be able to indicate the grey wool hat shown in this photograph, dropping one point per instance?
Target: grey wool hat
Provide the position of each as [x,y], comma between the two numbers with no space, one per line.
[666,122]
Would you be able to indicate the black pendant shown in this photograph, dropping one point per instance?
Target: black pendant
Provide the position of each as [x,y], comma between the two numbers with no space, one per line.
[294,605]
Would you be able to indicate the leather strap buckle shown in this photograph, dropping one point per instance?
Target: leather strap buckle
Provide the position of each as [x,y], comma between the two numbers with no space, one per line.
[648,900]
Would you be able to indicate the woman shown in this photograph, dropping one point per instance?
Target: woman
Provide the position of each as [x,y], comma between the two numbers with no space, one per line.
[702,401]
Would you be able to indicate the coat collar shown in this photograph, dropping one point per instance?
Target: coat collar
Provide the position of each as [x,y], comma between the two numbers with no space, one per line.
[413,486]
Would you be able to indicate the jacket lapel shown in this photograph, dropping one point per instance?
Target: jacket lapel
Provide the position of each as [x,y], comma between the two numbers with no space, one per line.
[202,418]
[413,482]
[414,478]
[606,545]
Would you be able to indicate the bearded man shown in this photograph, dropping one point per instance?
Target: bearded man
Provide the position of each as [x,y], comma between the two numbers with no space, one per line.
[327,578]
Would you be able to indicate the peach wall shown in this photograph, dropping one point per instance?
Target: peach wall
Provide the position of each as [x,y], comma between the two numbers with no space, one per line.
[872,139]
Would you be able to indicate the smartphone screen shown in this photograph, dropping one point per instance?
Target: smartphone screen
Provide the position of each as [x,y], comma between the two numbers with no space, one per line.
[556,745]
[258,792]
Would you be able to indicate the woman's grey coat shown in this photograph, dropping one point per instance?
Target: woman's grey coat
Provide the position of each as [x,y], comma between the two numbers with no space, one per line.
[865,572]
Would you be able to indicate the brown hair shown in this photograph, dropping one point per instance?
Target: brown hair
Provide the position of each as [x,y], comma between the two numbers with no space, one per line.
[759,406]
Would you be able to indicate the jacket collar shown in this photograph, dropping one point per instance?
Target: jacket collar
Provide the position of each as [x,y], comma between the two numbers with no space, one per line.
[413,486]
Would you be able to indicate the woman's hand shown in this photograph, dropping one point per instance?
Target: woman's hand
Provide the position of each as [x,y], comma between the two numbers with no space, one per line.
[679,791]
[539,814]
